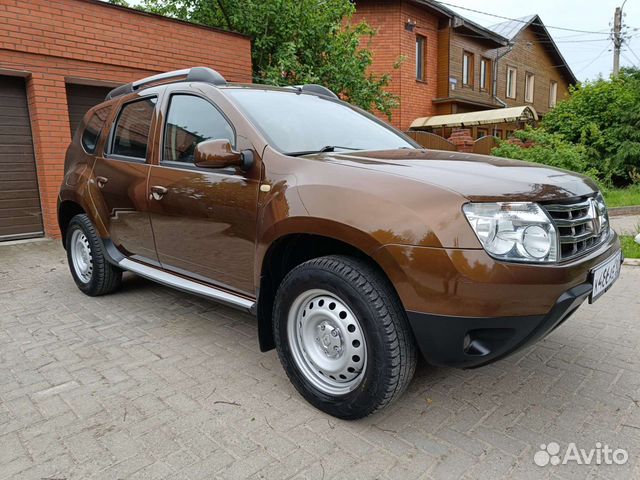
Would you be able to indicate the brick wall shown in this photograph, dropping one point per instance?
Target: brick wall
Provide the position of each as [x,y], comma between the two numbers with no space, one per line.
[51,42]
[393,41]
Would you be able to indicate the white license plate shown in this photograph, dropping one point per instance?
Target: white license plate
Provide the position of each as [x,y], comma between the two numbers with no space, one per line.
[604,275]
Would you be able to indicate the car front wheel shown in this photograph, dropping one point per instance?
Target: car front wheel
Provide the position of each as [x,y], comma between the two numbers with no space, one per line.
[343,337]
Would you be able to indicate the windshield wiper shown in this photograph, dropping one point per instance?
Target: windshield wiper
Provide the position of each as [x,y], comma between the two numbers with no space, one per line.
[327,148]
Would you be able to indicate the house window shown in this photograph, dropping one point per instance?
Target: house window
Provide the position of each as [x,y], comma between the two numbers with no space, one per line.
[482,132]
[420,58]
[485,69]
[553,93]
[512,73]
[529,86]
[467,68]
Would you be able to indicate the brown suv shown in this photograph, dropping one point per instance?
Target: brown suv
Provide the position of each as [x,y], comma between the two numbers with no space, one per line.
[353,246]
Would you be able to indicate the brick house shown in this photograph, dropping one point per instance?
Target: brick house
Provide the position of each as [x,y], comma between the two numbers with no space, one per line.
[60,57]
[453,65]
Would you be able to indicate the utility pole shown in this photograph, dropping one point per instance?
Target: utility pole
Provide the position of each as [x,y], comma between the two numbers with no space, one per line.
[617,40]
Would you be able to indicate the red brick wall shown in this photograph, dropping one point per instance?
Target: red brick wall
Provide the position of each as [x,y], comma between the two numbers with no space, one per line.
[388,18]
[54,41]
[384,17]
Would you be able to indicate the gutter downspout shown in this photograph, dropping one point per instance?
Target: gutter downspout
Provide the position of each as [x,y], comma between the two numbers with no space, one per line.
[495,74]
[494,87]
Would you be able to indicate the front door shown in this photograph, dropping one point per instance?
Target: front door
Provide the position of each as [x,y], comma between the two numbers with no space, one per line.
[204,220]
[119,188]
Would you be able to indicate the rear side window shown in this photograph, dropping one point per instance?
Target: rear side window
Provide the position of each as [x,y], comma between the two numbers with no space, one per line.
[192,120]
[91,133]
[132,128]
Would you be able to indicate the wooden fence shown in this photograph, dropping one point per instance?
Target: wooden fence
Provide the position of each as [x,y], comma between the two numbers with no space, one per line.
[482,146]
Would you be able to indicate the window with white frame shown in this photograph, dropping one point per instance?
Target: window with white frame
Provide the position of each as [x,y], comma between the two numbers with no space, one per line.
[467,68]
[529,87]
[485,68]
[553,93]
[512,74]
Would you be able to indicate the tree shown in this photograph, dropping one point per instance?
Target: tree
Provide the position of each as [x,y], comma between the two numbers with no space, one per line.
[603,116]
[296,42]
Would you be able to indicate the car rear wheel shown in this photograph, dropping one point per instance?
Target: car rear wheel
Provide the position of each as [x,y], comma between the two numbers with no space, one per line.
[90,270]
[343,337]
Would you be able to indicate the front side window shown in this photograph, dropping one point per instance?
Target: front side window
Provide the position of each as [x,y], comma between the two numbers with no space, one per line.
[91,133]
[467,68]
[511,82]
[132,128]
[192,120]
[295,123]
[420,58]
[529,85]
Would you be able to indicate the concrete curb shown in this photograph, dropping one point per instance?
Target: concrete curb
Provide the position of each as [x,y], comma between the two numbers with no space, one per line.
[632,262]
[624,211]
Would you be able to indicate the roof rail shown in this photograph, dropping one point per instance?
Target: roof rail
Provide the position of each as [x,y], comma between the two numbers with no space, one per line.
[317,89]
[194,74]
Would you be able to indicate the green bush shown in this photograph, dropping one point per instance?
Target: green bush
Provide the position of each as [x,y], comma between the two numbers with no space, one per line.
[536,145]
[595,131]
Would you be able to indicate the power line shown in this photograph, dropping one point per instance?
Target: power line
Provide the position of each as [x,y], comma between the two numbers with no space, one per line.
[633,53]
[523,21]
[595,59]
[541,42]
[628,59]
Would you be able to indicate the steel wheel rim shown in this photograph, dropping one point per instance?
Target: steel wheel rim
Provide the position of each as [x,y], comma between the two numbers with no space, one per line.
[81,256]
[327,342]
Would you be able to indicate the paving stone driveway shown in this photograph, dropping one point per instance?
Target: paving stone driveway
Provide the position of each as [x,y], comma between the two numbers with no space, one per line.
[153,383]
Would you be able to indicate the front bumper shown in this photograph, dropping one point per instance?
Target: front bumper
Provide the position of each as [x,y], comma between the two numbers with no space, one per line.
[469,342]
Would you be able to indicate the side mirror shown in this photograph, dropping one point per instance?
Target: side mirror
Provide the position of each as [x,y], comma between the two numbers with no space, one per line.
[220,154]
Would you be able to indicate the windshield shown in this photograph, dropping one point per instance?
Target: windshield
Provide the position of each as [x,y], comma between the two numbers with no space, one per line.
[300,123]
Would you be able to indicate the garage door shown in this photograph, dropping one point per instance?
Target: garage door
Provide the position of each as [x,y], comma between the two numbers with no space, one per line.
[20,214]
[81,98]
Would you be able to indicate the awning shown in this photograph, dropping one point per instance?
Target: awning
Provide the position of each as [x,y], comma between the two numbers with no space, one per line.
[484,117]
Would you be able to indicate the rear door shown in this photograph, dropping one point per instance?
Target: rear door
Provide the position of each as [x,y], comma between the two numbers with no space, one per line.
[119,178]
[204,220]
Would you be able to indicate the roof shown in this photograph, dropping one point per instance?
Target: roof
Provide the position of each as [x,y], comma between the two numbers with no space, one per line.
[458,21]
[512,28]
[482,117]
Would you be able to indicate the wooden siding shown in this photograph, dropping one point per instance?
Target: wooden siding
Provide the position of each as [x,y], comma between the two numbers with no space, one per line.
[530,55]
[465,42]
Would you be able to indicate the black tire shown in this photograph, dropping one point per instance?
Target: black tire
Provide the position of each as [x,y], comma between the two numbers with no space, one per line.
[104,278]
[390,346]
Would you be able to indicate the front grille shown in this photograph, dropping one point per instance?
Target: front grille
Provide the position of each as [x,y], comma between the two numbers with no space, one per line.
[579,225]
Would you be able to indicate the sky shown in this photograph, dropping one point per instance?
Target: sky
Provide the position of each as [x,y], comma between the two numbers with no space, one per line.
[588,54]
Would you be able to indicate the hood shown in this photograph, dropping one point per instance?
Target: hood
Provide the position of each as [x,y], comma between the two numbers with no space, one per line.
[476,177]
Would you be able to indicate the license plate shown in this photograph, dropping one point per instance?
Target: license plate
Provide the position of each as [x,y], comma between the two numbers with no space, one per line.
[604,275]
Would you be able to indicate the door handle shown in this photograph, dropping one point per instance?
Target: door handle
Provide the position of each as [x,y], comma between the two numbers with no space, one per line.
[157,192]
[100,181]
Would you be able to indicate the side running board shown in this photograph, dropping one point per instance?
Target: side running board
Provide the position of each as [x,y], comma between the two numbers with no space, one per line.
[186,285]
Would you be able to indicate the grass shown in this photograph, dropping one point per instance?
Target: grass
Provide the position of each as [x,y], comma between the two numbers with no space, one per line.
[622,197]
[630,248]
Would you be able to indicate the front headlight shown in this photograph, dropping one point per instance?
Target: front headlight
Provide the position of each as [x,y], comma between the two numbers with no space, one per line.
[518,231]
